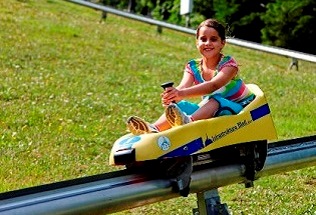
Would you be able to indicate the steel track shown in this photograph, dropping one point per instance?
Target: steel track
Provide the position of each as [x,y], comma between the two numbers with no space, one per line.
[121,190]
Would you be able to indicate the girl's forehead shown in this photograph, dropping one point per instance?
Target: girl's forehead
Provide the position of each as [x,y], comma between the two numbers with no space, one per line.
[207,31]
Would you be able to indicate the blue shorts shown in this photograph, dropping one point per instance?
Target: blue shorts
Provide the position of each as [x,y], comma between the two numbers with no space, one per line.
[187,107]
[226,107]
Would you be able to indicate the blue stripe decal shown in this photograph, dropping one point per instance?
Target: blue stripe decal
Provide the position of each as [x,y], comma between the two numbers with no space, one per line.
[186,149]
[260,112]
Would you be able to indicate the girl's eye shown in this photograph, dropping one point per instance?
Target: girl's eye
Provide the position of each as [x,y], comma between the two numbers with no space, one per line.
[212,39]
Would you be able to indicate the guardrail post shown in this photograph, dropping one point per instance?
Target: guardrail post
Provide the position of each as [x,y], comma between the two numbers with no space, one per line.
[103,16]
[209,203]
[294,62]
[103,13]
[159,29]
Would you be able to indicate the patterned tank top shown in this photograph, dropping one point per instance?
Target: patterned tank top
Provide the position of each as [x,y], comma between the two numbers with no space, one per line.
[235,90]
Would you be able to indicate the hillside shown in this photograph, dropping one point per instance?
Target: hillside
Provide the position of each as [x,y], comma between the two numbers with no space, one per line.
[70,81]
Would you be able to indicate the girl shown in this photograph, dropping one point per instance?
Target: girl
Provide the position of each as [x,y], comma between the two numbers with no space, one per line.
[214,77]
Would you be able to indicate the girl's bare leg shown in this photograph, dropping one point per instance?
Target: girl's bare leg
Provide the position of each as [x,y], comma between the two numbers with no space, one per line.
[174,116]
[206,111]
[162,123]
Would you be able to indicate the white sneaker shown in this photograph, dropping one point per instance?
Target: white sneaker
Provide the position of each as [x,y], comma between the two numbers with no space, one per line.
[175,116]
[139,126]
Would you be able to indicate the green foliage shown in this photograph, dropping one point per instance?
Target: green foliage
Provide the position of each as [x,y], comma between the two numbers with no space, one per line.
[165,9]
[283,23]
[290,24]
[244,23]
[225,9]
[68,83]
[204,8]
[120,4]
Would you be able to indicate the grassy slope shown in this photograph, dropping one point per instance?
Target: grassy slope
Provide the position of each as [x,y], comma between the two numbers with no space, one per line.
[69,82]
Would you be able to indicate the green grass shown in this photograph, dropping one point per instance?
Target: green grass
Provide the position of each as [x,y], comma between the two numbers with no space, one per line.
[68,82]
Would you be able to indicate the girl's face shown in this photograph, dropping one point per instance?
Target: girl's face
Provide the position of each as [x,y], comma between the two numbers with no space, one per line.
[209,43]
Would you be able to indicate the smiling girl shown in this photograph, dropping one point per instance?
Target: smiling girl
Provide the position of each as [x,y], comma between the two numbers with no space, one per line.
[214,77]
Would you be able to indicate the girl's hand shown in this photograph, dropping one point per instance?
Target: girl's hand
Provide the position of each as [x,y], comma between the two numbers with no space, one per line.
[170,95]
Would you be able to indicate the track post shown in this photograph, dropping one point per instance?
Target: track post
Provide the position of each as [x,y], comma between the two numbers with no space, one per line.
[209,203]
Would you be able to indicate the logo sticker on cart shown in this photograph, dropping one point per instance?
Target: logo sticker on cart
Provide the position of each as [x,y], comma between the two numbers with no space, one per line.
[164,143]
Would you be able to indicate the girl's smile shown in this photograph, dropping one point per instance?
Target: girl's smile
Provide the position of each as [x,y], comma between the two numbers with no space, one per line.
[209,42]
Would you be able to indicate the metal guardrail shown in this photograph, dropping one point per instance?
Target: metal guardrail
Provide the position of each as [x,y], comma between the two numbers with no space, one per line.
[251,45]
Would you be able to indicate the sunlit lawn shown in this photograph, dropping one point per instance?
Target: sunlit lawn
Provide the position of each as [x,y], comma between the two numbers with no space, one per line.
[68,82]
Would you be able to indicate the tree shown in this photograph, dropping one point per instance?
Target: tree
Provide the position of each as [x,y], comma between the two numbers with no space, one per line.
[283,23]
[290,24]
[120,4]
[242,17]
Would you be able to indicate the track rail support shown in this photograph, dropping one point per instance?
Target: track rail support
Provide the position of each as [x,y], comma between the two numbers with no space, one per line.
[209,203]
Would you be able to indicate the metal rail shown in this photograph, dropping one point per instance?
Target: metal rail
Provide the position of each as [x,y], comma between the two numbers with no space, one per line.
[234,41]
[122,190]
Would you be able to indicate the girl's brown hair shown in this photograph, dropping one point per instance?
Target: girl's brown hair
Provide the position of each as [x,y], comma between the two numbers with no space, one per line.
[213,23]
